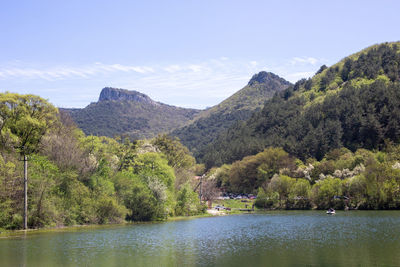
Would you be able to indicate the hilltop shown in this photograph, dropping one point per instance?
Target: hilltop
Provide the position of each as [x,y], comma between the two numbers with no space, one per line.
[209,123]
[130,113]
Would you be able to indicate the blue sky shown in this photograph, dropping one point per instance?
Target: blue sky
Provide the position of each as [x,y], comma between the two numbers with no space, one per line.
[185,53]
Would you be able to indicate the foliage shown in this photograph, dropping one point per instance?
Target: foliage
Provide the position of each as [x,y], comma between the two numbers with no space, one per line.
[24,119]
[143,203]
[178,155]
[78,179]
[342,179]
[188,202]
[251,172]
[324,193]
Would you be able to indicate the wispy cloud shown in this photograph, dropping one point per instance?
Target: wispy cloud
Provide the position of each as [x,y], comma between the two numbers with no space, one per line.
[190,84]
[304,60]
[65,72]
[173,68]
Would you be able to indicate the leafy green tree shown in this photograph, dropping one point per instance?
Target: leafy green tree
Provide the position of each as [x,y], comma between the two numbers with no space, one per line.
[266,198]
[155,165]
[142,204]
[299,196]
[246,175]
[281,184]
[187,202]
[24,120]
[10,195]
[179,158]
[178,155]
[325,191]
[41,191]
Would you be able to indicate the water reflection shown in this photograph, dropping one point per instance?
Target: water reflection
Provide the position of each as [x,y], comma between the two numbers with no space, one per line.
[290,238]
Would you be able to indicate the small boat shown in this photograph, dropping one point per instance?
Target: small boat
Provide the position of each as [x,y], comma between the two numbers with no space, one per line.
[330,211]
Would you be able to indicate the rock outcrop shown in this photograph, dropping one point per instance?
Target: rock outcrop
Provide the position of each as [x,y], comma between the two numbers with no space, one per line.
[264,77]
[109,93]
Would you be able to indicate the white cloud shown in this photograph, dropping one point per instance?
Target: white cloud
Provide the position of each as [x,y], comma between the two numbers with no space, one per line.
[172,68]
[62,72]
[197,68]
[196,84]
[304,60]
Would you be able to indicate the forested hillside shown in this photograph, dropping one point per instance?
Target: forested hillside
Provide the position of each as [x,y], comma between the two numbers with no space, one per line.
[354,104]
[211,122]
[129,113]
[78,179]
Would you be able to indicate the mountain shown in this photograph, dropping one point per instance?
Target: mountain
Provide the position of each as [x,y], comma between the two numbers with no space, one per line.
[209,123]
[354,104]
[123,112]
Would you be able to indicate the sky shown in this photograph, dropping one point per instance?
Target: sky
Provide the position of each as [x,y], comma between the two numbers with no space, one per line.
[185,53]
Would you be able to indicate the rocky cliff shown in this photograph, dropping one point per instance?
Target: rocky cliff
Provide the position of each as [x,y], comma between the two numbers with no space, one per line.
[109,93]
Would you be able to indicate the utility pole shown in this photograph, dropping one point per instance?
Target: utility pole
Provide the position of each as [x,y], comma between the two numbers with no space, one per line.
[201,187]
[25,192]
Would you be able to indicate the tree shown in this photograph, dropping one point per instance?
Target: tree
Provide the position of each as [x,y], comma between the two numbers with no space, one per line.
[24,120]
[177,154]
[187,202]
[325,191]
[210,191]
[321,69]
[281,184]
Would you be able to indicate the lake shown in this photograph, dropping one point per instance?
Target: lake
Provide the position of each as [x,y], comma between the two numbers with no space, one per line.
[276,238]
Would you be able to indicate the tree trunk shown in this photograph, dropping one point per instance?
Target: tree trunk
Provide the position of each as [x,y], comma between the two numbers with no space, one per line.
[209,202]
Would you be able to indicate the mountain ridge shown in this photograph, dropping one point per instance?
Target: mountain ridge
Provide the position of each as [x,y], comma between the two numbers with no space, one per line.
[239,106]
[130,113]
[134,114]
[355,103]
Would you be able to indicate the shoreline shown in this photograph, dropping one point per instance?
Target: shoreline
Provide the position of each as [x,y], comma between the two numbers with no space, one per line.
[23,233]
[75,228]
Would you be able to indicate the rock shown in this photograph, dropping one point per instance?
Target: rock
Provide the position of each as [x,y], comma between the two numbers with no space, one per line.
[109,93]
[265,77]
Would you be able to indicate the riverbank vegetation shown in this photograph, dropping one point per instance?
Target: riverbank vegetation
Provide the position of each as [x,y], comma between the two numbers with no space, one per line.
[342,179]
[77,179]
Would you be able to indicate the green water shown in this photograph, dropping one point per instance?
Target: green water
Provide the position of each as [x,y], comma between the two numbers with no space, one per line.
[292,238]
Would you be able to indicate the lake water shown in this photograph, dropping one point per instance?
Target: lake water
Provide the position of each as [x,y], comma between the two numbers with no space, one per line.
[289,238]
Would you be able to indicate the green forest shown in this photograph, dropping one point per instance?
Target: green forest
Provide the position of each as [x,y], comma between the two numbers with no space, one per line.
[353,104]
[78,179]
[343,179]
